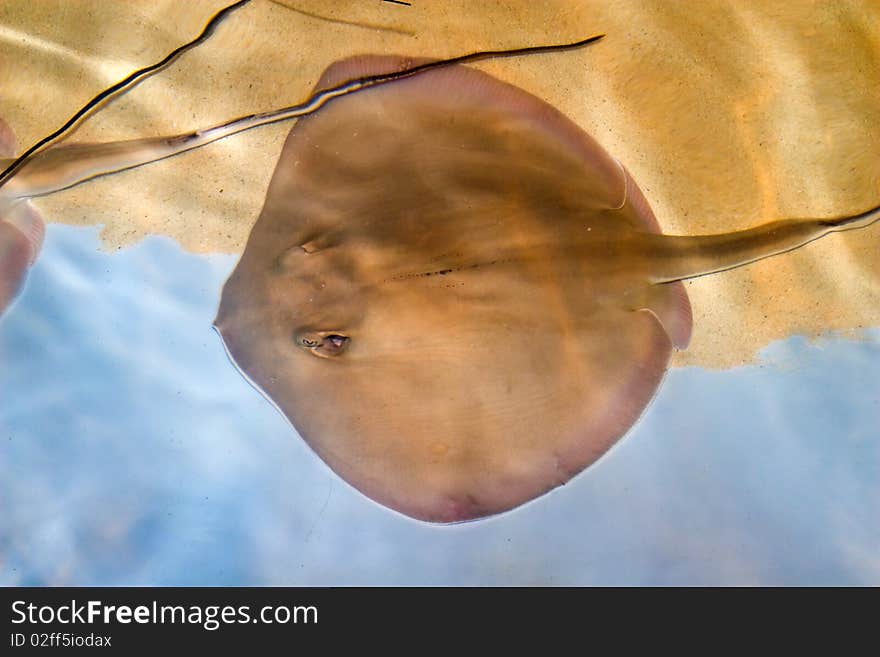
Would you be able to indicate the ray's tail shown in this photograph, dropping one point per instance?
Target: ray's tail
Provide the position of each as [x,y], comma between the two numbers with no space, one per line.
[675,258]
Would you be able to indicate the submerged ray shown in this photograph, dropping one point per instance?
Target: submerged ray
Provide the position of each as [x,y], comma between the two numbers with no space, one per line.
[21,234]
[8,169]
[457,297]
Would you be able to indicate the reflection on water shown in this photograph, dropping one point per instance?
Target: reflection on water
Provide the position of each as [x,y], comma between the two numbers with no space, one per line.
[132,452]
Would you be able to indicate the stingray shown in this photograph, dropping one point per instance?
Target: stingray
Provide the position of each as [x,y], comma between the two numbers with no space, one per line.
[453,293]
[457,297]
[21,233]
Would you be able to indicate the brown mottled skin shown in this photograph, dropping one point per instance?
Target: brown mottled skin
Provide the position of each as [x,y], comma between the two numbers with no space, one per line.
[457,297]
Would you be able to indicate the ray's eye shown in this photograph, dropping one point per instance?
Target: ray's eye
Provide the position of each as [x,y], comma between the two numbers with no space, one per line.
[336,342]
[323,343]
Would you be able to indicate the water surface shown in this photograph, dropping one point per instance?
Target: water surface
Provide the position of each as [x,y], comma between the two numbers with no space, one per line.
[132,453]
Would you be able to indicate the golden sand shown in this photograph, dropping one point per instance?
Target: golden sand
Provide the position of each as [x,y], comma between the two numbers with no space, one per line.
[727,115]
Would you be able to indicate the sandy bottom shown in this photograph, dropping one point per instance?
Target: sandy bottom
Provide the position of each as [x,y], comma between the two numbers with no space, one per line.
[727,116]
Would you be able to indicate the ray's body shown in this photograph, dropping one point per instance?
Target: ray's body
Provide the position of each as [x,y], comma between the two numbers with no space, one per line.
[457,297]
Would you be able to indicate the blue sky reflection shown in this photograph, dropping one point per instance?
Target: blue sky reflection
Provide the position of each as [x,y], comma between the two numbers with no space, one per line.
[132,453]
